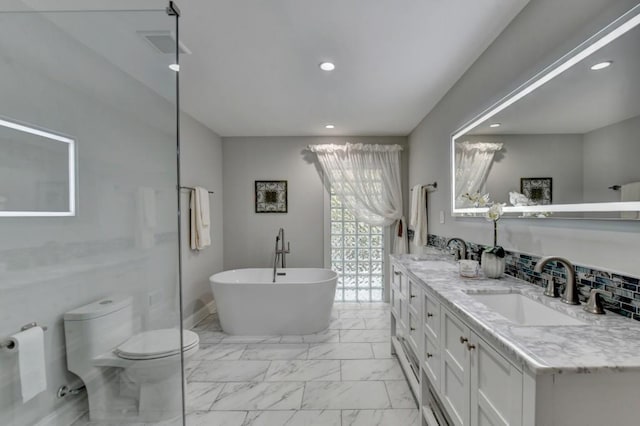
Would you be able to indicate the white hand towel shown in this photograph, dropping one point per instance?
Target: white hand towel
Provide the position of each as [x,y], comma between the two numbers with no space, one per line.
[630,192]
[203,199]
[193,235]
[418,215]
[200,219]
[29,345]
[413,211]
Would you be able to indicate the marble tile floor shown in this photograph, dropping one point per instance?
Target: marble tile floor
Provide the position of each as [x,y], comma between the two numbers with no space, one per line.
[343,376]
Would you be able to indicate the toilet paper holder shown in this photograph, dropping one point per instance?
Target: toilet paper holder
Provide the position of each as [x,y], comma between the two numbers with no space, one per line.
[8,343]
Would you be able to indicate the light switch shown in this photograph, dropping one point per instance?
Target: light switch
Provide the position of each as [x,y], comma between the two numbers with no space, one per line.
[441,216]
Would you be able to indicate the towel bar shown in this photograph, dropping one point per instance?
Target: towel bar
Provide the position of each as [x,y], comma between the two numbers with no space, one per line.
[190,188]
[433,185]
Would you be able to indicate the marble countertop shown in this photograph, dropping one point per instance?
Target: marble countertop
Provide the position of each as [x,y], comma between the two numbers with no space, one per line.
[604,343]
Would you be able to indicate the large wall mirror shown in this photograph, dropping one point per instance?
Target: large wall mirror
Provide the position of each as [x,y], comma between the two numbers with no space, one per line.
[37,172]
[566,144]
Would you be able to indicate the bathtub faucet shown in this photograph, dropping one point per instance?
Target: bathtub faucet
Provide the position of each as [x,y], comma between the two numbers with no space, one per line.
[280,252]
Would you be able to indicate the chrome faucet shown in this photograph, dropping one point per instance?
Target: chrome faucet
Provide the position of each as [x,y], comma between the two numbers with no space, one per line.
[280,253]
[461,253]
[570,295]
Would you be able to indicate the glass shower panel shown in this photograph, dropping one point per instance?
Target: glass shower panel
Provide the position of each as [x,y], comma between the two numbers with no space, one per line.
[88,219]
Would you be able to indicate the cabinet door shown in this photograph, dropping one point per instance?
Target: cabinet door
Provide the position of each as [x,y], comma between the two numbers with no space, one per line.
[455,375]
[496,387]
[431,338]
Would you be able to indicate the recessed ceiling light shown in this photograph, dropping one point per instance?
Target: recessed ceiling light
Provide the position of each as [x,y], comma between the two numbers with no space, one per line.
[329,126]
[494,125]
[327,66]
[601,65]
[174,67]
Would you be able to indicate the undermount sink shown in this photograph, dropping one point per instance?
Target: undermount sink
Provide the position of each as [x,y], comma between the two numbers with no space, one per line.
[521,310]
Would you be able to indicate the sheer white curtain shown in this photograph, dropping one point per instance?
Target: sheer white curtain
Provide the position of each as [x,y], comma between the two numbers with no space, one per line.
[367,179]
[473,161]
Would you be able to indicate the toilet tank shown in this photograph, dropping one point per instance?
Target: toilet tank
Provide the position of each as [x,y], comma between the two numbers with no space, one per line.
[96,329]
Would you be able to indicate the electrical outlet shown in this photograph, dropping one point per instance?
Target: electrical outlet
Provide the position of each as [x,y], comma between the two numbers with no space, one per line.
[441,216]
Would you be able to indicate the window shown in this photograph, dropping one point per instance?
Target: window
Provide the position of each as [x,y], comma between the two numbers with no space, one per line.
[357,253]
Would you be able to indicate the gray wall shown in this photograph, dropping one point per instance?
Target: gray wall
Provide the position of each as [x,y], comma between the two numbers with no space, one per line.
[611,158]
[125,136]
[534,38]
[555,156]
[249,237]
[201,165]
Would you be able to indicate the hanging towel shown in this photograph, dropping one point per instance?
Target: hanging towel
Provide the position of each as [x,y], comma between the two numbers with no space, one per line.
[418,215]
[630,192]
[146,214]
[200,218]
[400,234]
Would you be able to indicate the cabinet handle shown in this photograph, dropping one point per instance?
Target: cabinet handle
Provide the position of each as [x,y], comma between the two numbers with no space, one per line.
[463,340]
[429,355]
[397,272]
[412,296]
[470,346]
[429,314]
[413,329]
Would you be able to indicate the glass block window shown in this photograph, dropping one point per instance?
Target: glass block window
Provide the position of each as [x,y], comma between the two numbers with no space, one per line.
[357,252]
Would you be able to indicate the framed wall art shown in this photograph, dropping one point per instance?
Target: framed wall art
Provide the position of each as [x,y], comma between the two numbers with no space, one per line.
[271,196]
[537,189]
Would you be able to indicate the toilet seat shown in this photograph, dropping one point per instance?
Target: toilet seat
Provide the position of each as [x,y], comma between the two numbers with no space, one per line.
[156,344]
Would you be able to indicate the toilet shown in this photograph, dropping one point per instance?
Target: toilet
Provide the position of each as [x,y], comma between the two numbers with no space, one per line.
[128,374]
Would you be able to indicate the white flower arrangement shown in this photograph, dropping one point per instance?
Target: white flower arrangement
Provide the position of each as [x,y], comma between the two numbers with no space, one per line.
[493,215]
[495,212]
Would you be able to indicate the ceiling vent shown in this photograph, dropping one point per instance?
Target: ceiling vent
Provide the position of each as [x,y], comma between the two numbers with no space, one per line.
[164,42]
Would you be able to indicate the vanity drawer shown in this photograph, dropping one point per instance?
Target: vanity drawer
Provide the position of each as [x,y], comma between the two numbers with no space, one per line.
[414,296]
[413,331]
[431,317]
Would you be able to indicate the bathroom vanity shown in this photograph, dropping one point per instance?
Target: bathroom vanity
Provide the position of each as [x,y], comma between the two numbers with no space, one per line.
[498,352]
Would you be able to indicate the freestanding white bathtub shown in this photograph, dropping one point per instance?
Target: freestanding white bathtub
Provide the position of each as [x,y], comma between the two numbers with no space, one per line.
[249,303]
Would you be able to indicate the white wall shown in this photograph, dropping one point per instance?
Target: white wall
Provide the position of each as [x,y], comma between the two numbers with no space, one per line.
[249,237]
[201,165]
[555,156]
[611,158]
[536,36]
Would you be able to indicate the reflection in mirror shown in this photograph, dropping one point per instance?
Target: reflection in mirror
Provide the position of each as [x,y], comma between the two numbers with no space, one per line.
[566,144]
[37,172]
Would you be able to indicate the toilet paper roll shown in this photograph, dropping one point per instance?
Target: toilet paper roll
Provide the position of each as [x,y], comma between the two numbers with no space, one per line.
[29,345]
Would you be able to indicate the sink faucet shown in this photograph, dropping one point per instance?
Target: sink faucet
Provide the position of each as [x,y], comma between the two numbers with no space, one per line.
[280,252]
[570,295]
[461,253]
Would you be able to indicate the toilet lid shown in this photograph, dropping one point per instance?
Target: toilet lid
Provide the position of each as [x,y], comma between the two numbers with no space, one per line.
[156,344]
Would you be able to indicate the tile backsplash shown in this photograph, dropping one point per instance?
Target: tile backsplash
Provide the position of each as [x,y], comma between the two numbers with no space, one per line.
[625,289]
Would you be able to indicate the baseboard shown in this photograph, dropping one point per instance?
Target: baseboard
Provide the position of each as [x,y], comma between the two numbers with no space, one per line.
[190,321]
[67,413]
